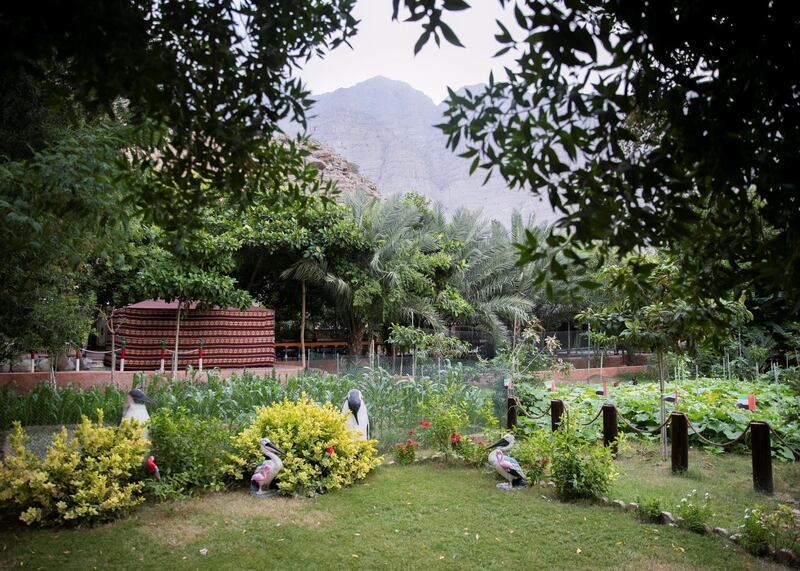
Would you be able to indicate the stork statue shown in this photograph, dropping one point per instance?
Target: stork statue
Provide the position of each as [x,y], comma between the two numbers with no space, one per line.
[506,466]
[135,407]
[267,470]
[356,410]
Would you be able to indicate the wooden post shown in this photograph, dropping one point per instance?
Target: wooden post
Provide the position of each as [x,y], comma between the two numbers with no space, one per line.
[610,427]
[680,441]
[511,419]
[556,412]
[762,457]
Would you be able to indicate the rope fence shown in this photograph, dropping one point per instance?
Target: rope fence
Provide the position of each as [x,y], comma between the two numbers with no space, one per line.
[760,432]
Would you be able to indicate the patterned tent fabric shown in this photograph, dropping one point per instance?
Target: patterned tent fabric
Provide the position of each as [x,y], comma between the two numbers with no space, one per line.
[232,339]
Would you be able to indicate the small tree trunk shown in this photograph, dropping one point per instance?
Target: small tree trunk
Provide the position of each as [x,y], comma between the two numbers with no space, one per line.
[356,335]
[303,324]
[113,358]
[177,343]
[662,406]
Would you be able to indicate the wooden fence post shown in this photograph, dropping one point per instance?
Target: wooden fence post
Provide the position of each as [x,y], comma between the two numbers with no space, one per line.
[680,441]
[556,412]
[511,419]
[762,457]
[610,427]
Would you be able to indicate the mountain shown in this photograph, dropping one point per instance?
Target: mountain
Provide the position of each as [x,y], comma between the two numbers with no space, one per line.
[386,128]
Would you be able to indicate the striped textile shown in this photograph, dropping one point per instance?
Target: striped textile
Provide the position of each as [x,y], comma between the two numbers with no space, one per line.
[231,338]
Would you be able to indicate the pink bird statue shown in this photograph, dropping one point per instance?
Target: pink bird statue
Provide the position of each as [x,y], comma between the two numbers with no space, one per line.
[267,470]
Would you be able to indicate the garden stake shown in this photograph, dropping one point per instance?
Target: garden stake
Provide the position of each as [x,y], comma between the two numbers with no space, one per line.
[163,343]
[680,442]
[122,356]
[556,412]
[762,457]
[511,419]
[200,355]
[33,361]
[77,359]
[610,427]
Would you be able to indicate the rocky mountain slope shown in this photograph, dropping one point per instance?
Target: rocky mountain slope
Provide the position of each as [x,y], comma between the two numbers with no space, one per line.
[386,128]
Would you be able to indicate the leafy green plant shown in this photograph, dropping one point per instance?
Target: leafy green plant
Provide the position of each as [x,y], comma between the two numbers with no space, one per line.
[472,450]
[534,453]
[305,430]
[580,469]
[763,530]
[695,511]
[405,452]
[89,477]
[649,509]
[709,403]
[191,453]
[444,422]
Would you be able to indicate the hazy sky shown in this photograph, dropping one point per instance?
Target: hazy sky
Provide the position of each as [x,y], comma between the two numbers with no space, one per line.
[383,47]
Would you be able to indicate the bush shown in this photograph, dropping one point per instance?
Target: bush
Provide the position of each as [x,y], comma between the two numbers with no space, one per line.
[580,469]
[304,430]
[473,451]
[649,509]
[441,424]
[92,476]
[405,452]
[534,452]
[191,453]
[695,511]
[763,530]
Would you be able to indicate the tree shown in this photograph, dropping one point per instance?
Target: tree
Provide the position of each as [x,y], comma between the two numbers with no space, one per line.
[654,315]
[214,78]
[59,205]
[667,125]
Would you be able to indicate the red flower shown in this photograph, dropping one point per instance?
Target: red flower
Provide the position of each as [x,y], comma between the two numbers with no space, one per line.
[329,451]
[410,431]
[424,424]
[455,437]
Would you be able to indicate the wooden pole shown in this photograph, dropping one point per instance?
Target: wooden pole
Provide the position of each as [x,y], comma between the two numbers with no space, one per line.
[511,419]
[303,324]
[762,457]
[680,441]
[556,412]
[610,427]
[662,445]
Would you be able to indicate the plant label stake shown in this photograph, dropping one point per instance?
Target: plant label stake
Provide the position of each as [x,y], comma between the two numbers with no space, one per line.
[122,356]
[552,386]
[77,359]
[200,355]
[751,402]
[163,343]
[33,361]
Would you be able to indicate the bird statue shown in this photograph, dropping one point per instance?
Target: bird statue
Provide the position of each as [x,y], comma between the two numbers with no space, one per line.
[506,466]
[266,470]
[135,407]
[356,410]
[152,467]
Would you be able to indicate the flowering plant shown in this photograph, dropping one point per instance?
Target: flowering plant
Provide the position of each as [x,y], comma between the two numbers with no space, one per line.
[694,511]
[446,421]
[405,452]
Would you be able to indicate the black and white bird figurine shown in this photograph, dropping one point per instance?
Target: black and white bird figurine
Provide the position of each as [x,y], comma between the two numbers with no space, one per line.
[505,465]
[135,407]
[356,410]
[266,470]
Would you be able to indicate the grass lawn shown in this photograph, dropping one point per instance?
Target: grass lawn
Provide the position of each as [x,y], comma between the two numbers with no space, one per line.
[418,517]
[728,478]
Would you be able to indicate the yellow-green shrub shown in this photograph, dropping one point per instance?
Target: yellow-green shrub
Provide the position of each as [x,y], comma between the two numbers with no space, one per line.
[305,430]
[91,476]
